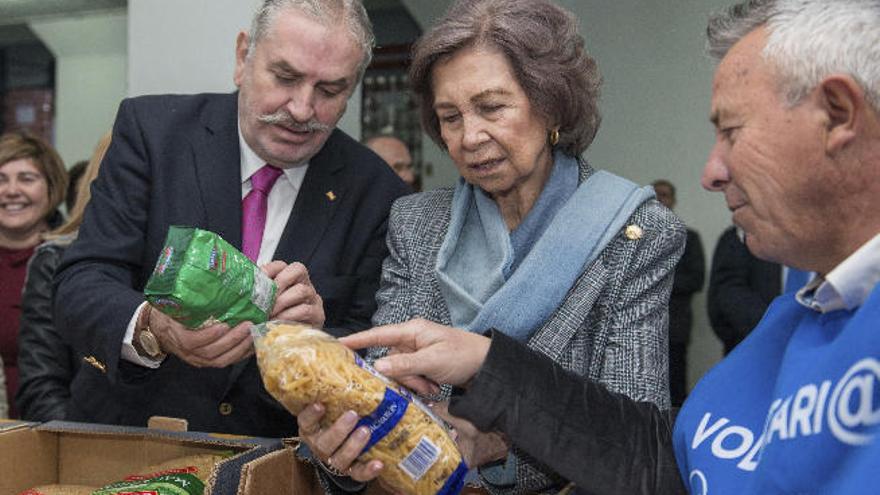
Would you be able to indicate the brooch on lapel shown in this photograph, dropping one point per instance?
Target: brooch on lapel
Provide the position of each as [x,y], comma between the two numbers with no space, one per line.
[330,195]
[633,232]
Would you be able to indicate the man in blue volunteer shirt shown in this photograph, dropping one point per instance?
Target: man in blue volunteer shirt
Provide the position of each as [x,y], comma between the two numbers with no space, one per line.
[796,106]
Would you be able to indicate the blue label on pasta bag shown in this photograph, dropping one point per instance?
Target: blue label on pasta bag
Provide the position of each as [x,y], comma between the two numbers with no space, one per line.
[386,416]
[406,394]
[455,482]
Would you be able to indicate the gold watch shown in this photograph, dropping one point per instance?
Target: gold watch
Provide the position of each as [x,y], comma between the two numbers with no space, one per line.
[144,340]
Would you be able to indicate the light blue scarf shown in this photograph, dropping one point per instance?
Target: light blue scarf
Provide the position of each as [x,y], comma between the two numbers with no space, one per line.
[477,263]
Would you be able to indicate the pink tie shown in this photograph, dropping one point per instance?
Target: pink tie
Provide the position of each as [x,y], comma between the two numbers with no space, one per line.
[253,214]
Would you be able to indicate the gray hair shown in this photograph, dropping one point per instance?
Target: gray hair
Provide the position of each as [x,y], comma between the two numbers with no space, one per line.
[542,44]
[808,40]
[328,12]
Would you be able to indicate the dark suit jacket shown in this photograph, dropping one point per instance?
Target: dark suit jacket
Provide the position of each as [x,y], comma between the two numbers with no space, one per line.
[690,273]
[741,287]
[174,160]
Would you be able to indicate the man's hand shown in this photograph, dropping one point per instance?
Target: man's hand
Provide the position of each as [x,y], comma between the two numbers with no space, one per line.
[297,299]
[424,353]
[215,346]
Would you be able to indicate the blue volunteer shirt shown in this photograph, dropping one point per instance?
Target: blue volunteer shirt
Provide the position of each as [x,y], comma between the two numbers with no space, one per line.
[795,408]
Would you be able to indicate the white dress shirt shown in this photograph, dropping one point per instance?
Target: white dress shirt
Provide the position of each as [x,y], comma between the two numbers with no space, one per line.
[849,284]
[280,204]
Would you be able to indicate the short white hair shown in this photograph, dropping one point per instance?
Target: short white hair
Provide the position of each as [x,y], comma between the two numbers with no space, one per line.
[808,40]
[330,12]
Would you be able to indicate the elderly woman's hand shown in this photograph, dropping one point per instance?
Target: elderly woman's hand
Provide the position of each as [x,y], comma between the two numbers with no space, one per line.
[424,353]
[338,446]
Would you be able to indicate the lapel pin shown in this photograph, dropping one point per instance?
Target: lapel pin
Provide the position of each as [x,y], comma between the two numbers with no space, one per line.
[633,232]
[97,364]
[331,195]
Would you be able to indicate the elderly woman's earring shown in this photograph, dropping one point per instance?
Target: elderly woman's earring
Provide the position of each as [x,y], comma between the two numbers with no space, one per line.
[554,137]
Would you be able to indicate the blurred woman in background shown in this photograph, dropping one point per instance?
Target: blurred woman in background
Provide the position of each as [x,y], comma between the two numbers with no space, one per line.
[33,182]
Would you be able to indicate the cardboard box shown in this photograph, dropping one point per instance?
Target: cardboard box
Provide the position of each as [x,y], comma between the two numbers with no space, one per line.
[95,455]
[282,472]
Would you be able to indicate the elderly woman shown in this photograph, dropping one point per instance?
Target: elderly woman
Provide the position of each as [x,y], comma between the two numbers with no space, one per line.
[532,242]
[32,185]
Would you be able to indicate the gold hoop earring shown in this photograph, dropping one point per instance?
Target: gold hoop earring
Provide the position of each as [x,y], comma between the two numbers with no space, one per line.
[554,137]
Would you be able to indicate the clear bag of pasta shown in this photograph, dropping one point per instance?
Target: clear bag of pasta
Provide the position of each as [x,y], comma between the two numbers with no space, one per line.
[302,365]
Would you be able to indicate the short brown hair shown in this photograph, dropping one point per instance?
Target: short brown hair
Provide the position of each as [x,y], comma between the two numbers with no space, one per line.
[548,56]
[22,145]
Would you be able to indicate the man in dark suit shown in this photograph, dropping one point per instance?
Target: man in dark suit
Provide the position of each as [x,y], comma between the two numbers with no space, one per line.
[690,272]
[197,160]
[741,287]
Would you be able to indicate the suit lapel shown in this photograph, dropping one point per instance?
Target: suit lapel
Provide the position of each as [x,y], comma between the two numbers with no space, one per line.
[218,165]
[555,334]
[218,168]
[322,190]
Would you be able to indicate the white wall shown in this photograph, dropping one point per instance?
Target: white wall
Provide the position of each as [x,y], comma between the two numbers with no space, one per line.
[188,46]
[90,58]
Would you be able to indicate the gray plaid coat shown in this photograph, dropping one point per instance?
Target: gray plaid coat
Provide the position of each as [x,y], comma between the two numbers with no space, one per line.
[611,327]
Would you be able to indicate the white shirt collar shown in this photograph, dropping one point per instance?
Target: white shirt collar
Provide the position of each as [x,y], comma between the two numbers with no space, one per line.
[849,284]
[251,162]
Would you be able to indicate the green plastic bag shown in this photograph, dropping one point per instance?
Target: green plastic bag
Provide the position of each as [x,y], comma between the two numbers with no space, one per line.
[200,279]
[165,484]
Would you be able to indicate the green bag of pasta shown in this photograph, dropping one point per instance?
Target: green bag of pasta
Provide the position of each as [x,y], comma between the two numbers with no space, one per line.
[200,279]
[163,484]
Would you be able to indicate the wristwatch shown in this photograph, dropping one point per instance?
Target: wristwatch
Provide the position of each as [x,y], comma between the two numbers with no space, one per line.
[144,340]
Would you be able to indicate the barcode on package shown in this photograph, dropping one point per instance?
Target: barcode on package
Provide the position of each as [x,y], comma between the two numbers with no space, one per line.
[420,460]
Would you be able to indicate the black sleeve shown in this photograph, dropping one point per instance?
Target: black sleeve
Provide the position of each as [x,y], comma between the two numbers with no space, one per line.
[45,363]
[690,273]
[602,441]
[95,295]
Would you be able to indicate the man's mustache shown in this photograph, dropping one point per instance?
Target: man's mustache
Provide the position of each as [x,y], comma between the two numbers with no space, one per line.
[284,119]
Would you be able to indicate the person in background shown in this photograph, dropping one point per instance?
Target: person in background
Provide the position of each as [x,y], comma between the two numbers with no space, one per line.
[46,364]
[33,182]
[396,154]
[690,272]
[571,261]
[796,407]
[741,287]
[74,174]
[266,169]
[4,404]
